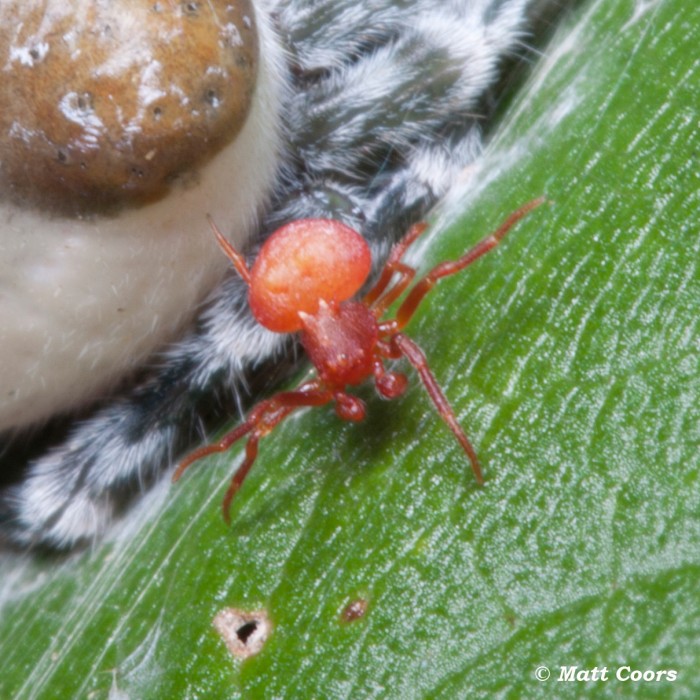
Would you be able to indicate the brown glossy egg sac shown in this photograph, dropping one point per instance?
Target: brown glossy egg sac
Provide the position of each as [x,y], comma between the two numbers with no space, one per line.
[122,124]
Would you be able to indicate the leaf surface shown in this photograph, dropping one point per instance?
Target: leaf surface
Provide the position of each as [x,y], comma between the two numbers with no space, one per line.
[571,356]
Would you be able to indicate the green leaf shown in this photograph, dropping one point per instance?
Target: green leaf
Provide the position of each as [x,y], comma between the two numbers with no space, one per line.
[571,357]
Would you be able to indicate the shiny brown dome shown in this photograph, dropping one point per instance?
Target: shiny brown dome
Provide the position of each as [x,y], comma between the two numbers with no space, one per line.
[107,104]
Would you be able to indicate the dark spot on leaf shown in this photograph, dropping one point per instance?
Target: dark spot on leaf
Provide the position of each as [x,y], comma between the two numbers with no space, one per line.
[354,610]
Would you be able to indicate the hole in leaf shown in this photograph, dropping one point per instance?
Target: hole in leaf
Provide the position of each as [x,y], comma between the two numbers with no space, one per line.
[243,632]
[246,630]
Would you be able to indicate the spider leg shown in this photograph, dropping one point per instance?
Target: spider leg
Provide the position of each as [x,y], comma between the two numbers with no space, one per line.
[262,420]
[412,352]
[376,298]
[452,267]
[231,253]
[227,441]
[251,452]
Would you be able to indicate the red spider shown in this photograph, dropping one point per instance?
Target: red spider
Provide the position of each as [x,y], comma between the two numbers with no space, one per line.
[302,280]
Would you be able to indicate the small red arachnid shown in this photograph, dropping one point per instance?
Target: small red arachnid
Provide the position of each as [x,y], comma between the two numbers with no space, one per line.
[303,280]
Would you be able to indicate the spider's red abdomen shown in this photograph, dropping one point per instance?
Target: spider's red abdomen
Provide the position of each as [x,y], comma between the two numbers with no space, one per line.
[341,339]
[302,263]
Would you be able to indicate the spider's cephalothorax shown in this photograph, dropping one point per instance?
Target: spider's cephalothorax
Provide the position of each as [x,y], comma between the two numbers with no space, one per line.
[362,112]
[302,280]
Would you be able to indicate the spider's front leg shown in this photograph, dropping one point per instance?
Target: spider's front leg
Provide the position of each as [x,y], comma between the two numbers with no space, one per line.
[390,385]
[379,298]
[396,344]
[262,419]
[452,267]
[402,345]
